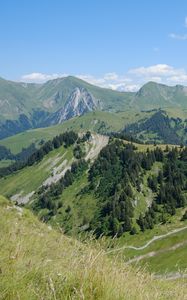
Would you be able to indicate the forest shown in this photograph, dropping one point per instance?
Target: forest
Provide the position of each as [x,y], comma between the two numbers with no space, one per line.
[167,130]
[114,178]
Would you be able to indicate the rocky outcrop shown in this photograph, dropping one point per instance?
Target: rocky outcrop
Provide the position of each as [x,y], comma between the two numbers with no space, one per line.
[79,102]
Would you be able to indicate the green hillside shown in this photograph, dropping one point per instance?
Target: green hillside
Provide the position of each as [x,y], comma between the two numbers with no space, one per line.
[98,121]
[146,126]
[16,98]
[119,189]
[38,262]
[166,252]
[149,127]
[24,180]
[154,95]
[52,95]
[111,100]
[30,178]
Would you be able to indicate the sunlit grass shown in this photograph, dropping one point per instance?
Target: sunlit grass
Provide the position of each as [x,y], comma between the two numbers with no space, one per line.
[37,262]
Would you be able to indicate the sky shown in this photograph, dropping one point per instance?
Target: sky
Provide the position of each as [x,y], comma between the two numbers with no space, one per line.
[119,44]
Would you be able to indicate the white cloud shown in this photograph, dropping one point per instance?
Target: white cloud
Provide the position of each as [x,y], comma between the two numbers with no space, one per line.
[155,70]
[161,73]
[131,81]
[182,37]
[91,79]
[111,76]
[181,78]
[127,87]
[40,77]
[112,81]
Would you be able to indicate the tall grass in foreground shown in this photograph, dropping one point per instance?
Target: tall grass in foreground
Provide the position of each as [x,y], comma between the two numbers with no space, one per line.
[37,262]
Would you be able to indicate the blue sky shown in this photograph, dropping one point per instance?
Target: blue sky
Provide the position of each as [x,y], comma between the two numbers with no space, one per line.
[119,44]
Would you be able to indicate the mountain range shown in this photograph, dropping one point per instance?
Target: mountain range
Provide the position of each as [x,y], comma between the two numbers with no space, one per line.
[96,170]
[27,105]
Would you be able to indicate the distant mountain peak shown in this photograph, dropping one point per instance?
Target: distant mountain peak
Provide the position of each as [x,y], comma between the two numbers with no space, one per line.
[153,84]
[62,98]
[78,103]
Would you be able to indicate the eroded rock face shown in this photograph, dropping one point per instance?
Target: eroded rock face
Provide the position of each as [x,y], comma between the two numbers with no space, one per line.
[79,102]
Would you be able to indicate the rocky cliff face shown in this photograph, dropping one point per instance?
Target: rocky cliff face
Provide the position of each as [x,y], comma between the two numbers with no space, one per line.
[79,102]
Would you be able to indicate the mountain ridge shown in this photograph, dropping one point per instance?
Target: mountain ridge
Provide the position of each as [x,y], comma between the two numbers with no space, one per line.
[29,105]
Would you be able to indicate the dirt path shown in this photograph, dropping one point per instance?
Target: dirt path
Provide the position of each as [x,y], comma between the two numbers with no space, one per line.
[155,238]
[154,253]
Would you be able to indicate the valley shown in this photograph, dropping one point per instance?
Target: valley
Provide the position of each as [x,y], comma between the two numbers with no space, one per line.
[103,177]
[74,204]
[93,150]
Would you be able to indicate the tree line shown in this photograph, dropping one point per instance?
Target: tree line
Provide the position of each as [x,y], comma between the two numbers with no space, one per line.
[114,176]
[169,187]
[67,139]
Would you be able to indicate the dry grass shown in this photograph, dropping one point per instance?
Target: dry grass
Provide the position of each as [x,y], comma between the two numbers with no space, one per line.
[37,262]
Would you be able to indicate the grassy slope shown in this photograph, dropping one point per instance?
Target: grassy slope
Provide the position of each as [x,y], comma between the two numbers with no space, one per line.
[18,98]
[85,205]
[82,207]
[91,121]
[30,178]
[167,260]
[39,263]
[5,163]
[153,95]
[177,113]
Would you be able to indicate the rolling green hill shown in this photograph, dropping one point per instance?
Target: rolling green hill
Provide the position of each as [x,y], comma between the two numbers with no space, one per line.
[155,126]
[153,95]
[16,98]
[98,121]
[104,123]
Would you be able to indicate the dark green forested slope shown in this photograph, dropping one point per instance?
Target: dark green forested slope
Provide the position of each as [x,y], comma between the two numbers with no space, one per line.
[122,190]
[160,128]
[103,196]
